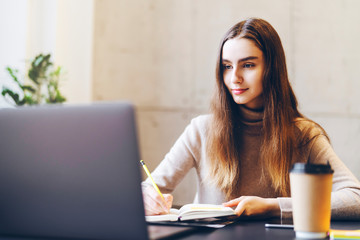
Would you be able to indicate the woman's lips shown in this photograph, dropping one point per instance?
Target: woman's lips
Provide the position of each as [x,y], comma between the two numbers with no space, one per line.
[238,91]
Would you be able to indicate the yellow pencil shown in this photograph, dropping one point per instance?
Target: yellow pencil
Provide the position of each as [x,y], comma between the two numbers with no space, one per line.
[152,180]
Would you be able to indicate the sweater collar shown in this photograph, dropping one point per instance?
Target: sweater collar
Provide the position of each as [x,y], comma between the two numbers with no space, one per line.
[251,115]
[252,119]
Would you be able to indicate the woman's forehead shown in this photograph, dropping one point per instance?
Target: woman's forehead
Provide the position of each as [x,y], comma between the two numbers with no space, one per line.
[240,48]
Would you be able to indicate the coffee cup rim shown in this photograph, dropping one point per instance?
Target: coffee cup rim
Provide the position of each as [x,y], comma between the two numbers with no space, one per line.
[311,168]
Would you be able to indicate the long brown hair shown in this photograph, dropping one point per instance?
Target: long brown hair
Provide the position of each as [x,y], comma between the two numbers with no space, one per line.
[280,114]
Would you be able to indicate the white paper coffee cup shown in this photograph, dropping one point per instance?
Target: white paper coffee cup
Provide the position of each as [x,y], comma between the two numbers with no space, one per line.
[311,199]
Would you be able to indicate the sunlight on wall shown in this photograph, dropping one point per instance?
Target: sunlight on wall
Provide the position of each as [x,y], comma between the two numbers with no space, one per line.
[13,16]
[63,28]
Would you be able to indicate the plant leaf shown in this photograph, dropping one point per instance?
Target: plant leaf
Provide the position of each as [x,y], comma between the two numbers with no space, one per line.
[12,94]
[29,88]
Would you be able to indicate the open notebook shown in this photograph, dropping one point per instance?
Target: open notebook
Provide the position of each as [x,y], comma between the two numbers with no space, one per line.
[193,212]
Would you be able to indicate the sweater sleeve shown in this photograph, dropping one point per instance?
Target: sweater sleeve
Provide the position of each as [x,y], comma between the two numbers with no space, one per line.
[345,196]
[184,155]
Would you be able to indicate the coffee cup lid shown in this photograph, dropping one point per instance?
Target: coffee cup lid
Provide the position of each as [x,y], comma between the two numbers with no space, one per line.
[311,168]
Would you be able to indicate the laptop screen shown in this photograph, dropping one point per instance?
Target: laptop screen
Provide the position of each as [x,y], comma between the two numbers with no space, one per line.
[71,171]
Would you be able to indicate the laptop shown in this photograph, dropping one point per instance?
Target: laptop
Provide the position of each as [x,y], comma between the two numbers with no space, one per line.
[71,172]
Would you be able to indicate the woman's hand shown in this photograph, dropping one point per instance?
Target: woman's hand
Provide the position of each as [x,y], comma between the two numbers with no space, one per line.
[154,203]
[255,206]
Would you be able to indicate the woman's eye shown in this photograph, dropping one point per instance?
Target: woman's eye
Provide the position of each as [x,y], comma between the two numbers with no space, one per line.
[226,66]
[249,65]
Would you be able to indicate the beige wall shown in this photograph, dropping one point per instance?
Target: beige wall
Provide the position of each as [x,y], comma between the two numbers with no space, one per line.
[73,48]
[160,54]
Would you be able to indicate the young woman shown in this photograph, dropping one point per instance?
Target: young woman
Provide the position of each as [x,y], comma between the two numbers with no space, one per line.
[244,149]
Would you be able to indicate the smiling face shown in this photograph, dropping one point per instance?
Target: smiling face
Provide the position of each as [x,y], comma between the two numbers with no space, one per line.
[243,67]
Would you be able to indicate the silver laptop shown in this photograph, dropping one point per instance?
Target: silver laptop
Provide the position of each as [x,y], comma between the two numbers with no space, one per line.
[70,172]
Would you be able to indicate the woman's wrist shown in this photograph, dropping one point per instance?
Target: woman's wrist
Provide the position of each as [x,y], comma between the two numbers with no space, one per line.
[273,207]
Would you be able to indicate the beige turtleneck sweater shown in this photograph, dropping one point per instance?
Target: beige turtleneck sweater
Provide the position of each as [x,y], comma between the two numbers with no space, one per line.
[189,152]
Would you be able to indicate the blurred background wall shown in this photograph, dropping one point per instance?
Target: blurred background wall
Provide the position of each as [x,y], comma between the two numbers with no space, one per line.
[160,54]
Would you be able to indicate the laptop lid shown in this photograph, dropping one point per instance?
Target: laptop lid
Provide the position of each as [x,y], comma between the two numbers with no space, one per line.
[71,171]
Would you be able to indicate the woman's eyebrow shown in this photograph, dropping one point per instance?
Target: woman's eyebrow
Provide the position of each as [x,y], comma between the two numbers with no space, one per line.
[243,59]
[248,58]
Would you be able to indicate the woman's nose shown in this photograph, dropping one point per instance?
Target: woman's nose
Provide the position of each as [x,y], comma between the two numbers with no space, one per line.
[237,76]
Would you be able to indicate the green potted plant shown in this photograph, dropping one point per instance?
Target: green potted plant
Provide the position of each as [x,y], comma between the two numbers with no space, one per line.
[43,86]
